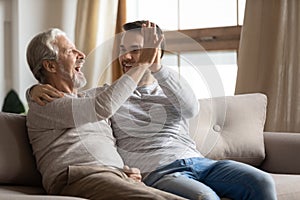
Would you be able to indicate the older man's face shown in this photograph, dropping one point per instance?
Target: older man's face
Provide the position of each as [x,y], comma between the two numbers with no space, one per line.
[70,62]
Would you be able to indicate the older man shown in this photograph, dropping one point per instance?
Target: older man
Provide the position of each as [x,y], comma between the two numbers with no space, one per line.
[71,139]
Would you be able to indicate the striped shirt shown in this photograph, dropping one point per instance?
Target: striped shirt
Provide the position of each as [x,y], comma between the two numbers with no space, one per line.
[74,130]
[151,127]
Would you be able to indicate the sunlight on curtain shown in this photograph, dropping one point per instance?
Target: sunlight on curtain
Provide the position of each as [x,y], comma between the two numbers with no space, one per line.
[95,29]
[269,60]
[121,19]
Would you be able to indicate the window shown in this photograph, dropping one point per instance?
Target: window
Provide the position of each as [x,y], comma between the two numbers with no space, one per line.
[202,39]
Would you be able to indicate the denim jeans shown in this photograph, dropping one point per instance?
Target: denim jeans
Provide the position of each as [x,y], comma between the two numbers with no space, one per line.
[202,178]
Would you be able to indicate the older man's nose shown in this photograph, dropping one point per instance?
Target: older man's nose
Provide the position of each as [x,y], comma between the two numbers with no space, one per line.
[80,55]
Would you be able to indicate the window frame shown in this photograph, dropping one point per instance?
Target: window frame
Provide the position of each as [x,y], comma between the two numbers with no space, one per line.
[211,39]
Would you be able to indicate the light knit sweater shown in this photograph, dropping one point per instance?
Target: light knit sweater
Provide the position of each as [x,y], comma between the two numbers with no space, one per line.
[74,130]
[151,127]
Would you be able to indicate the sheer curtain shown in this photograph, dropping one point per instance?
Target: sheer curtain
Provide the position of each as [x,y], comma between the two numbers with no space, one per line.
[121,19]
[94,33]
[269,60]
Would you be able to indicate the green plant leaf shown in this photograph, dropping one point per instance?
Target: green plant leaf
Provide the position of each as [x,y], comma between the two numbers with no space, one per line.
[12,103]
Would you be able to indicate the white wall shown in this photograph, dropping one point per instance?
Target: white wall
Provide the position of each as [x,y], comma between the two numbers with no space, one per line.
[24,19]
[5,48]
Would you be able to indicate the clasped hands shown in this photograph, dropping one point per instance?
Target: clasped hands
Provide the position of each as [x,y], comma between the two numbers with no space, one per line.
[133,173]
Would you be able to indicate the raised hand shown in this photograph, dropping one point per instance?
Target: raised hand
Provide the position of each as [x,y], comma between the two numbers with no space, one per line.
[151,44]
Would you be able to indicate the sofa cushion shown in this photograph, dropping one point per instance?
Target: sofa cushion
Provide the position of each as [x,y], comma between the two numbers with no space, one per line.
[231,128]
[287,186]
[29,193]
[17,164]
[19,190]
[38,197]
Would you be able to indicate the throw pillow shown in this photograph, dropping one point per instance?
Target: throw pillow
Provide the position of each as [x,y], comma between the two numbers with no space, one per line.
[231,127]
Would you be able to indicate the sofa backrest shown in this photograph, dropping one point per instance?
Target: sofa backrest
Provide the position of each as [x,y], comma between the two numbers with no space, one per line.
[225,128]
[231,127]
[17,163]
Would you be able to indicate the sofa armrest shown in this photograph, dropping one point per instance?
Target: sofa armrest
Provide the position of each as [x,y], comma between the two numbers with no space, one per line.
[282,153]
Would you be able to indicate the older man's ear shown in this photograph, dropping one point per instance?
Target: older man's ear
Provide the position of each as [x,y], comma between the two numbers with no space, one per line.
[49,66]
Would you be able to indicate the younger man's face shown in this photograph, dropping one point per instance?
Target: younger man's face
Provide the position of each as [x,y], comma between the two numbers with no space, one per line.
[130,49]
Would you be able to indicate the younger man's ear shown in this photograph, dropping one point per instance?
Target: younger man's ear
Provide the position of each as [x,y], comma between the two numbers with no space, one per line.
[49,66]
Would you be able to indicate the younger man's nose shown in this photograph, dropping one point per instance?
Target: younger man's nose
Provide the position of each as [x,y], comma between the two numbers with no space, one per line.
[127,56]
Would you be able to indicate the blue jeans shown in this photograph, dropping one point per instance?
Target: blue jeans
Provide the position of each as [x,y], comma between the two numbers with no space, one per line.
[202,178]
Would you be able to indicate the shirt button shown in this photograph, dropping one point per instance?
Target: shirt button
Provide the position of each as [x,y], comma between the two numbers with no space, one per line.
[217,128]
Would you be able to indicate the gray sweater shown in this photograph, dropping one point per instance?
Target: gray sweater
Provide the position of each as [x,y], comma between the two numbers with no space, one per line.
[151,127]
[74,130]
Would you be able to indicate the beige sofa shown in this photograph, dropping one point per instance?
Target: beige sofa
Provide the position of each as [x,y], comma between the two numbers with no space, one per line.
[226,128]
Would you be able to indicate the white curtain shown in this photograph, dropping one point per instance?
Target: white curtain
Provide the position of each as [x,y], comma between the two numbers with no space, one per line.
[94,34]
[269,60]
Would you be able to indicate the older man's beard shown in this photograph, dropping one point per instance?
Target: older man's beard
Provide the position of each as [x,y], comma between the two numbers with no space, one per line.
[79,81]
